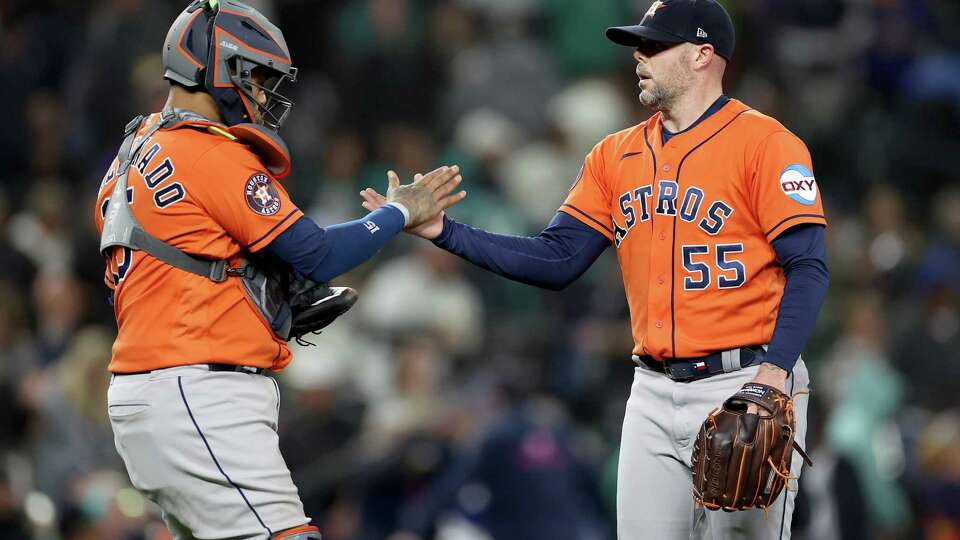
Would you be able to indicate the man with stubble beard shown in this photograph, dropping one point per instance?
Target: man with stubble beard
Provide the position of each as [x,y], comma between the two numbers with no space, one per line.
[719,230]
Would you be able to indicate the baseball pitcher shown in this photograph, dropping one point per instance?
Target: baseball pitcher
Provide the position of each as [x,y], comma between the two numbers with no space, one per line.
[717,222]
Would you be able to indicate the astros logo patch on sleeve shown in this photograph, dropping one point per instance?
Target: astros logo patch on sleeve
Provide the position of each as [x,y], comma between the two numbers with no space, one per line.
[798,183]
[261,195]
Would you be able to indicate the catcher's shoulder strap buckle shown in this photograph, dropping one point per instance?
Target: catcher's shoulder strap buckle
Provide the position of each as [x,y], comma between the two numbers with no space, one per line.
[218,271]
[132,126]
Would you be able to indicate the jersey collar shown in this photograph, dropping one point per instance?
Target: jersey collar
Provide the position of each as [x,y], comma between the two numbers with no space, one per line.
[696,133]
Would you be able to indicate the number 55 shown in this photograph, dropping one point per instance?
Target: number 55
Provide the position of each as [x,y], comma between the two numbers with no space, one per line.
[730,272]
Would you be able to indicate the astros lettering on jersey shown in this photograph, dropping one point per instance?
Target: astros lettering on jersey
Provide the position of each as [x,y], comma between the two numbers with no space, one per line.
[693,222]
[211,197]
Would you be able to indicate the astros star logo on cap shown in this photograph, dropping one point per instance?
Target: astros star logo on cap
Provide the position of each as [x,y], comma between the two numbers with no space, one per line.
[654,7]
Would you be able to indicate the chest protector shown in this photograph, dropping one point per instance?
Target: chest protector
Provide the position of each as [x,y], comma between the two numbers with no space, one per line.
[265,280]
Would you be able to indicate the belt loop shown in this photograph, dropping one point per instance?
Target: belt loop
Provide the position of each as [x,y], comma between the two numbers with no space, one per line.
[730,360]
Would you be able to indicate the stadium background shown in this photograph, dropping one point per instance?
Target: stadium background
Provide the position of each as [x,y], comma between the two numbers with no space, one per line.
[449,403]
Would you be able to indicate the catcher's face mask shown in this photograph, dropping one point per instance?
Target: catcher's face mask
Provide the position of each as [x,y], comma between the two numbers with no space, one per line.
[260,85]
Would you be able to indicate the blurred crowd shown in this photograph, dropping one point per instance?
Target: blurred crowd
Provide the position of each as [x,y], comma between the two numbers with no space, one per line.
[449,403]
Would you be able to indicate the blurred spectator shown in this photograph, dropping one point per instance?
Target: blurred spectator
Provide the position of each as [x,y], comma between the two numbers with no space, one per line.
[41,229]
[18,268]
[13,524]
[59,305]
[75,436]
[509,73]
[387,76]
[529,482]
[426,290]
[831,504]
[939,454]
[334,193]
[865,393]
[18,353]
[101,98]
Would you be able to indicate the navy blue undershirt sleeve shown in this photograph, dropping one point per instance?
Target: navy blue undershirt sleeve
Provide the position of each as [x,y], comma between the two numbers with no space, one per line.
[802,252]
[552,260]
[324,253]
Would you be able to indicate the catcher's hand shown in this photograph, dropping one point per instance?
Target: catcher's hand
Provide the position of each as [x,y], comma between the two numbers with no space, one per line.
[314,306]
[742,460]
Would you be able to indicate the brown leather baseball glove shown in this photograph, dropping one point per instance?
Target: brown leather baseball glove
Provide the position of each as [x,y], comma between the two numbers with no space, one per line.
[740,460]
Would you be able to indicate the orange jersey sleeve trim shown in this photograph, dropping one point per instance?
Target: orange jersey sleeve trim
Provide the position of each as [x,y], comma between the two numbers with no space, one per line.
[797,219]
[275,231]
[587,220]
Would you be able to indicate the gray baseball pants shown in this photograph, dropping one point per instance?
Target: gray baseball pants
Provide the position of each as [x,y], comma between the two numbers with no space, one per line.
[203,445]
[654,484]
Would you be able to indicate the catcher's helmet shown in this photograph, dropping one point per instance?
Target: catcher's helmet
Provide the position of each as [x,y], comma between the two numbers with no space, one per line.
[216,45]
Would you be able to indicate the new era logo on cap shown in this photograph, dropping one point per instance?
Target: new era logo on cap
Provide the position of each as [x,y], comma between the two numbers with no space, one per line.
[701,33]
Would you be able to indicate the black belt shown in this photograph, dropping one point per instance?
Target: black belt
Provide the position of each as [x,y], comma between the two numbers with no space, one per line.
[212,367]
[692,369]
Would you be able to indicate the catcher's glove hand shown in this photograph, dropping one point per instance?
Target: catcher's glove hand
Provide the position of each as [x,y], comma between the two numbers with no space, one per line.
[740,460]
[314,306]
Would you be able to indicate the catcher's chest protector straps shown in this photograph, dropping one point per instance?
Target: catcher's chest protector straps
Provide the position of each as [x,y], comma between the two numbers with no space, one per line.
[266,286]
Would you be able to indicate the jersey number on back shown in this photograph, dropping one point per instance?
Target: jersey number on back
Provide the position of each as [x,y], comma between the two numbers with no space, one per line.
[122,262]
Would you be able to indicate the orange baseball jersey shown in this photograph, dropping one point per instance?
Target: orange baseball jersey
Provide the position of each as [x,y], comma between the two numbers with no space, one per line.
[212,198]
[693,222]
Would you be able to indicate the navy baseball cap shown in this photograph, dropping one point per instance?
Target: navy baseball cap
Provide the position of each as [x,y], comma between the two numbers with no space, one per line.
[681,21]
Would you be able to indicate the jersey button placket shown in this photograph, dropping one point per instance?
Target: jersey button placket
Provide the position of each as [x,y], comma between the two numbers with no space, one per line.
[659,301]
[660,259]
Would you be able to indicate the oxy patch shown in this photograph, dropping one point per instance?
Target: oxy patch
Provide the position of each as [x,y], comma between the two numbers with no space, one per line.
[798,183]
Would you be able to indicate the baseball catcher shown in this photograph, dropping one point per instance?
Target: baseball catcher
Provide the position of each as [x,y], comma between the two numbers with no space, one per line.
[213,268]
